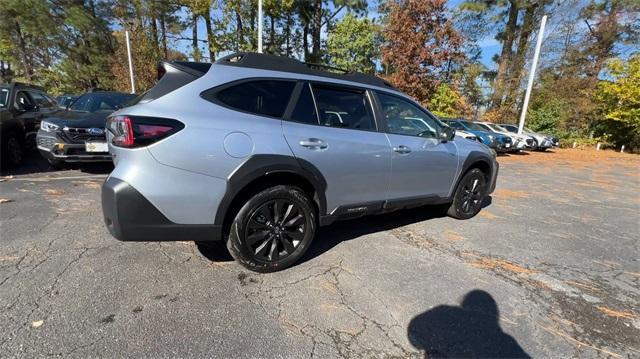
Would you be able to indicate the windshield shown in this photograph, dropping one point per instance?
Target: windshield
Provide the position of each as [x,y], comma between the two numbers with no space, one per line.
[485,127]
[496,128]
[64,101]
[100,101]
[4,96]
[474,126]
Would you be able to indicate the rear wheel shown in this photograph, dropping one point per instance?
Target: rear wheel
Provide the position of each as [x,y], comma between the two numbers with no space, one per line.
[273,229]
[470,193]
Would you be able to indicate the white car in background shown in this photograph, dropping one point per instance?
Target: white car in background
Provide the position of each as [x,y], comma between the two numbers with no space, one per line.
[520,141]
[541,142]
[467,135]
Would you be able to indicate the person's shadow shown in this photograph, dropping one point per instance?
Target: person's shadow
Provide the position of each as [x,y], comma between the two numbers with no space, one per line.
[471,330]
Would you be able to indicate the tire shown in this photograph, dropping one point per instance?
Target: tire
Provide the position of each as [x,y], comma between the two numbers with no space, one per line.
[57,164]
[12,151]
[535,145]
[467,200]
[273,229]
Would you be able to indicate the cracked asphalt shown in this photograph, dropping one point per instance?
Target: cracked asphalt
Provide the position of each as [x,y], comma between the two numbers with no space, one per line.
[549,268]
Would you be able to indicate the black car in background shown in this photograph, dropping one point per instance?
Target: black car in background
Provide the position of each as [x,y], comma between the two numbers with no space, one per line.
[65,101]
[22,107]
[77,134]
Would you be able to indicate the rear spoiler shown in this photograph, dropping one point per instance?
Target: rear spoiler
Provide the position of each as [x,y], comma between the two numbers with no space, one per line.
[172,75]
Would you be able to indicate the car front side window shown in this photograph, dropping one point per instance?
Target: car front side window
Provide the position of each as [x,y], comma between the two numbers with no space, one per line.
[404,118]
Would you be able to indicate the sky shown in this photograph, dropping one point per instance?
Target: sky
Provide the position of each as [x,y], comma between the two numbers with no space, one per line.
[489,45]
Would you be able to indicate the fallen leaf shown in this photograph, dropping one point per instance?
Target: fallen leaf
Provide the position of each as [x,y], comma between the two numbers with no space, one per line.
[54,192]
[5,200]
[37,323]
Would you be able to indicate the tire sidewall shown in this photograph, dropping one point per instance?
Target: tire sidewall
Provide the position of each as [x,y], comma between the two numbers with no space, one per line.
[8,155]
[455,210]
[235,240]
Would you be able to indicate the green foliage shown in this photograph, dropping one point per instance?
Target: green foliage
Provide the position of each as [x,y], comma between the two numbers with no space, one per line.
[448,103]
[619,101]
[352,44]
[547,117]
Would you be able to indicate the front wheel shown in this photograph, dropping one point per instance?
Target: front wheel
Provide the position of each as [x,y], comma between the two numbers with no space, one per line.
[12,151]
[467,200]
[273,229]
[57,164]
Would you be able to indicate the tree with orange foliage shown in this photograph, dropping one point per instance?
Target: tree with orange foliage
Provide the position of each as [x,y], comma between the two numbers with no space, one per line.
[421,46]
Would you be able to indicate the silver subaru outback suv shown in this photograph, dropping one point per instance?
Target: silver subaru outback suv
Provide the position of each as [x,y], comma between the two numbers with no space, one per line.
[259,150]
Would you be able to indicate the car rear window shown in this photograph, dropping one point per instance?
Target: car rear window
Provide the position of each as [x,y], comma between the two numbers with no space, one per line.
[260,97]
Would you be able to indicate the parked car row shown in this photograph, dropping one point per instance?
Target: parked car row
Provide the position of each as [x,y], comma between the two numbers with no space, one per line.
[502,138]
[68,128]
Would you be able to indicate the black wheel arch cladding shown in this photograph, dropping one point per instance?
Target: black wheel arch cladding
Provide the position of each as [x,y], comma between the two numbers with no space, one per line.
[259,166]
[480,160]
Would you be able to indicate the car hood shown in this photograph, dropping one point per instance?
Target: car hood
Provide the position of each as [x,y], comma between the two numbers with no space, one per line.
[79,119]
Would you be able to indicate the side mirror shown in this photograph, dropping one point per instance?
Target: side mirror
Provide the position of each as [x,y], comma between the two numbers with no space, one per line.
[447,134]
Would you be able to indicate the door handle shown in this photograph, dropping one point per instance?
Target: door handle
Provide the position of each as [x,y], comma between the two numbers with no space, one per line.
[402,149]
[313,144]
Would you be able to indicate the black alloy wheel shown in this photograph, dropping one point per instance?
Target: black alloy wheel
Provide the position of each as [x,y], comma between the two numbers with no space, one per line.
[272,229]
[469,195]
[275,230]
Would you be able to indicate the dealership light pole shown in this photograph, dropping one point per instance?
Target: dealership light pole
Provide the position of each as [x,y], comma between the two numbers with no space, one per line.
[133,86]
[532,74]
[260,26]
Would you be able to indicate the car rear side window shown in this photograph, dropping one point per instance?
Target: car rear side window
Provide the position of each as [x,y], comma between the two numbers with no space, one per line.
[260,97]
[305,110]
[343,107]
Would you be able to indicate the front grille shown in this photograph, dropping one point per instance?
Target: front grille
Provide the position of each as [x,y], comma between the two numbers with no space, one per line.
[46,142]
[80,135]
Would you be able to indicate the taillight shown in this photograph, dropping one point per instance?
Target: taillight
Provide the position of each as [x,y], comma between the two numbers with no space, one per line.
[140,131]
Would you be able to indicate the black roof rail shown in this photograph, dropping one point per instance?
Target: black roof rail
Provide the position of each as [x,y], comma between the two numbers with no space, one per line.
[287,64]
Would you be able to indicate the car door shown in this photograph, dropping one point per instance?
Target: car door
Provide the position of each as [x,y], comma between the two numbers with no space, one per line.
[333,128]
[27,112]
[422,165]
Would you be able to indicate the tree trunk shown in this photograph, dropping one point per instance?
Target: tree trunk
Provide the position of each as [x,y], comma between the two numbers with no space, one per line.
[211,39]
[194,39]
[240,35]
[505,55]
[316,30]
[288,35]
[305,42]
[518,60]
[272,35]
[163,29]
[22,49]
[154,32]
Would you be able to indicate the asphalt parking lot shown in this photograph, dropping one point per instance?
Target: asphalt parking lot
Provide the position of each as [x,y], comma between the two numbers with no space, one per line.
[549,268]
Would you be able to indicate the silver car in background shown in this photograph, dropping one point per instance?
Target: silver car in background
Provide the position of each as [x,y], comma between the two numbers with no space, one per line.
[541,142]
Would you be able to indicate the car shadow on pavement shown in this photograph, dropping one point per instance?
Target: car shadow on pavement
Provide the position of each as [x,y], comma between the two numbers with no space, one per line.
[341,231]
[33,163]
[471,330]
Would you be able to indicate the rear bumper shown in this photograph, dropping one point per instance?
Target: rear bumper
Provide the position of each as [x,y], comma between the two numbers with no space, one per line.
[129,216]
